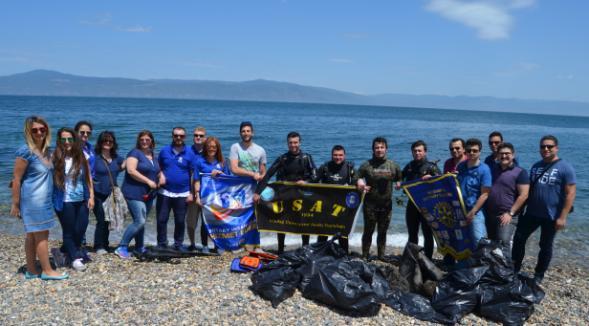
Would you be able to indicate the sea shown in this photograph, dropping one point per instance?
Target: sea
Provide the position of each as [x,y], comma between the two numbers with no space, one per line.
[321,126]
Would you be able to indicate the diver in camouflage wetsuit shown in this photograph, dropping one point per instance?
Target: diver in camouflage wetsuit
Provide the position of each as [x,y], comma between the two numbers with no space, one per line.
[376,177]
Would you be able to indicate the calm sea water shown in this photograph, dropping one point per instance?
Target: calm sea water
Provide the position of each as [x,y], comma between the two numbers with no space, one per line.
[321,126]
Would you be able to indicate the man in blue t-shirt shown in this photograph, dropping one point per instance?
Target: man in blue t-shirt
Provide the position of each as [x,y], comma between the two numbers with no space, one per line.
[193,211]
[475,184]
[552,193]
[177,162]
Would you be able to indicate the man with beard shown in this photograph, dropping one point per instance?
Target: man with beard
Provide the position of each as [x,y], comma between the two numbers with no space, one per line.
[294,166]
[177,164]
[376,177]
[338,171]
[248,159]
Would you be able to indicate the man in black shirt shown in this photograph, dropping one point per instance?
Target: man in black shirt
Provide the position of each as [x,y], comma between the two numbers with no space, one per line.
[293,166]
[338,171]
[419,169]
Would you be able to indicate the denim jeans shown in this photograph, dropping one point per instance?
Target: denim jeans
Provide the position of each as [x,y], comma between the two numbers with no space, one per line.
[525,227]
[162,207]
[74,221]
[101,233]
[496,231]
[139,210]
[478,228]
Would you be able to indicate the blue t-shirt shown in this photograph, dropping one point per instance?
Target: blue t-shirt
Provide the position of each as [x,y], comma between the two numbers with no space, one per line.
[177,168]
[547,190]
[102,183]
[471,180]
[133,189]
[203,166]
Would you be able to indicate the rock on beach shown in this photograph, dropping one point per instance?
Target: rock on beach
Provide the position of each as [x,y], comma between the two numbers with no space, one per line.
[202,290]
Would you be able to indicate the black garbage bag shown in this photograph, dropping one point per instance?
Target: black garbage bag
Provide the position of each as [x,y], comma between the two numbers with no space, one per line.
[348,284]
[415,305]
[278,280]
[417,272]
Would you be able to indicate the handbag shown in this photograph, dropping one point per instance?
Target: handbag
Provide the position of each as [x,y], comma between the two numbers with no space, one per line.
[114,206]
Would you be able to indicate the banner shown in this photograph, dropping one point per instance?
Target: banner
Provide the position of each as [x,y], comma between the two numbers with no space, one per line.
[228,210]
[440,202]
[320,209]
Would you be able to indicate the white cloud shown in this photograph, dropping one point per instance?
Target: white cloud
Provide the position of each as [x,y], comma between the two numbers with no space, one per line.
[99,20]
[491,19]
[341,60]
[135,29]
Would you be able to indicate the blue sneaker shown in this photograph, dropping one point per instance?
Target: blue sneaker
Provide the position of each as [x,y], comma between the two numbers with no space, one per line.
[122,252]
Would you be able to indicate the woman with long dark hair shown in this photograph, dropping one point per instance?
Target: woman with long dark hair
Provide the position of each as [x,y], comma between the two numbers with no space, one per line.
[32,188]
[73,193]
[141,181]
[107,166]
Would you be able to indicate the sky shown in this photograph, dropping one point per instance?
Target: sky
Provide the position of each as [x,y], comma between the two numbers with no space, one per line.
[529,49]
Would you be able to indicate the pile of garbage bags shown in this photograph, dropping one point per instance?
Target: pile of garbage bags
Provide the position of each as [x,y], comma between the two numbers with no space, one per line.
[323,272]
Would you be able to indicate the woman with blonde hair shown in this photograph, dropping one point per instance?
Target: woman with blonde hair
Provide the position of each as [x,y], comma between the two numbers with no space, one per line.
[32,189]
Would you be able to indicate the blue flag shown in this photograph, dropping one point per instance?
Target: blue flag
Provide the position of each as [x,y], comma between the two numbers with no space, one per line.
[228,210]
[440,202]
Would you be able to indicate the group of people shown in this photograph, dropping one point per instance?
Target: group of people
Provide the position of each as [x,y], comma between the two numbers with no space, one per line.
[77,177]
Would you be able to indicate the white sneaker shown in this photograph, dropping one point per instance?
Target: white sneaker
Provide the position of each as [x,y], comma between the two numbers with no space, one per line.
[101,252]
[79,265]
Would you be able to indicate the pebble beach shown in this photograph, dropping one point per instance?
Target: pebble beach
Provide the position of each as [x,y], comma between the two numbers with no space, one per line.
[202,290]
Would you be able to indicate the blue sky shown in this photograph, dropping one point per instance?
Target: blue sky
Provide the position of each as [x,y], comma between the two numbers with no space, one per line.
[535,49]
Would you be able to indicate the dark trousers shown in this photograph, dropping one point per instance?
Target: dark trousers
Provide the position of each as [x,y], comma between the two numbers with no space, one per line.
[413,218]
[101,232]
[74,221]
[342,241]
[376,217]
[163,206]
[525,227]
[282,236]
[204,233]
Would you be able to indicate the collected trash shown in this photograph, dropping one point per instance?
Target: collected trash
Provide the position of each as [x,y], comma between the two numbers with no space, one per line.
[324,273]
[167,254]
[251,262]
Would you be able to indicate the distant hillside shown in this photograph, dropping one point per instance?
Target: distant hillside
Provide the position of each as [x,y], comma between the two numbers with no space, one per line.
[52,83]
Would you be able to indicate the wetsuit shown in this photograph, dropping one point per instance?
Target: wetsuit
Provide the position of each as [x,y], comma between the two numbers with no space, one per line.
[412,171]
[290,167]
[337,174]
[379,174]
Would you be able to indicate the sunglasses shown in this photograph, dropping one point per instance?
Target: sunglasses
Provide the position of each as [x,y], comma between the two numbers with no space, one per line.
[547,146]
[179,136]
[85,133]
[108,141]
[66,139]
[472,150]
[199,136]
[39,130]
[145,140]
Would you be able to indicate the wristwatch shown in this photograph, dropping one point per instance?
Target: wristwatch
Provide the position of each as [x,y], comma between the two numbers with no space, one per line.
[511,213]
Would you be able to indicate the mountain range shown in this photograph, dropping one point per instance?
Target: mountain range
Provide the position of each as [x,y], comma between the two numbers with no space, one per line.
[53,83]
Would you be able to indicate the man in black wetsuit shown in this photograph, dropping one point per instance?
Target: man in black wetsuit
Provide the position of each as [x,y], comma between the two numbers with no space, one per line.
[294,166]
[420,168]
[338,171]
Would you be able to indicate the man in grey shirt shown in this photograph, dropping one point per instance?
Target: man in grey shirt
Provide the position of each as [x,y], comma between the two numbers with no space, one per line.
[248,159]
